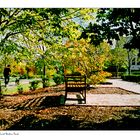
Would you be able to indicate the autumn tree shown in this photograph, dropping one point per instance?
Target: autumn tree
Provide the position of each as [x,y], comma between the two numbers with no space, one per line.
[80,56]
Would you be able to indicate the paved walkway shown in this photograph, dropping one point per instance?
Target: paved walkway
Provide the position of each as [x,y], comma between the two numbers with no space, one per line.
[109,100]
[114,99]
[131,86]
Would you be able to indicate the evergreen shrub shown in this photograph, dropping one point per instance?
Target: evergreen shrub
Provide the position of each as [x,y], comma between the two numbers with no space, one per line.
[132,78]
[58,79]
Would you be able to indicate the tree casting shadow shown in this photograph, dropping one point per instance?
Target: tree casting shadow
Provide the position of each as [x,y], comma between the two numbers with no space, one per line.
[66,122]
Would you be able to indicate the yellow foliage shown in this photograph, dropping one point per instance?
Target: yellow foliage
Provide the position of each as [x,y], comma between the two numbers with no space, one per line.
[67,71]
[30,74]
[86,58]
[99,77]
[50,72]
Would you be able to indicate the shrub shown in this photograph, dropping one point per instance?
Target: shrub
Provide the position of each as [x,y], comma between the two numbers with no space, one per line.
[98,78]
[34,84]
[23,76]
[17,81]
[45,81]
[132,78]
[20,89]
[58,79]
[30,75]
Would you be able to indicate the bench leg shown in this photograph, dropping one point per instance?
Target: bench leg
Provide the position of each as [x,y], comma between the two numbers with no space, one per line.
[65,96]
[85,96]
[83,93]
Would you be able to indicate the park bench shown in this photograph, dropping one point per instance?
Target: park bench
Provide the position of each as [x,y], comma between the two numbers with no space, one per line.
[75,84]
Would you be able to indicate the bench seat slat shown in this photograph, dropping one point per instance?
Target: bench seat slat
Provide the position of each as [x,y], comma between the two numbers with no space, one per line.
[75,84]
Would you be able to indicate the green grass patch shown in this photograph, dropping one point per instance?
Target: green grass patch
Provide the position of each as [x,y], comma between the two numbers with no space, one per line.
[13,90]
[9,90]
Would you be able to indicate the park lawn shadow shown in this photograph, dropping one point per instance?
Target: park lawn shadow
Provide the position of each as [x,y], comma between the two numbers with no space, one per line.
[40,103]
[30,122]
[66,122]
[60,121]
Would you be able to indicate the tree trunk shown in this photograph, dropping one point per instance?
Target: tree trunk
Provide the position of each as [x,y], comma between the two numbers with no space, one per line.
[0,88]
[44,70]
[117,71]
[129,63]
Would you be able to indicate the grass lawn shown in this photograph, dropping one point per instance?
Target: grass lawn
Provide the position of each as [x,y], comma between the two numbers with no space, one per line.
[12,88]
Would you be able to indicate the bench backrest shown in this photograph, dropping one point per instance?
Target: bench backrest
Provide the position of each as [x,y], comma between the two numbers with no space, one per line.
[75,81]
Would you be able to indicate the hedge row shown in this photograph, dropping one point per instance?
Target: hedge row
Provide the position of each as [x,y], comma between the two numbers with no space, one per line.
[132,78]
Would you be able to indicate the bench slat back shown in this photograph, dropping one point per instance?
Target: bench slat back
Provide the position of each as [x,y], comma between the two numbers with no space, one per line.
[75,81]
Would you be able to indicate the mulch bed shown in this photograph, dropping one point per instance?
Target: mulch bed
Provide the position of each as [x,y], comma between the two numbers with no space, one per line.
[109,90]
[41,110]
